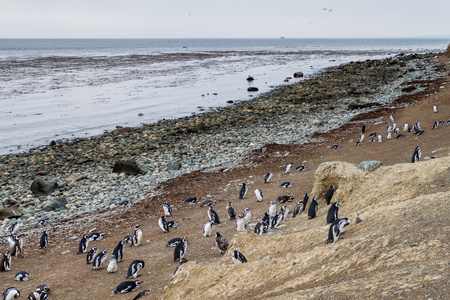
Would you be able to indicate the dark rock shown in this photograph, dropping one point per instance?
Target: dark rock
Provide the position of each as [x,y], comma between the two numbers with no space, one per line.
[129,167]
[252,89]
[298,74]
[358,220]
[163,143]
[230,101]
[55,204]
[175,166]
[41,187]
[10,212]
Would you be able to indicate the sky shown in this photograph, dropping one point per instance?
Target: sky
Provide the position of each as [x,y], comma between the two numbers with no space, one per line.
[224,19]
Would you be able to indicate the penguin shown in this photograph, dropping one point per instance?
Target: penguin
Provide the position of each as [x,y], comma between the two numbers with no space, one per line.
[400,136]
[44,240]
[238,257]
[272,209]
[330,194]
[34,296]
[436,124]
[208,202]
[91,254]
[14,227]
[191,200]
[389,135]
[127,286]
[301,206]
[285,211]
[301,168]
[259,195]
[263,149]
[380,138]
[221,242]
[373,134]
[128,239]
[137,237]
[213,215]
[435,109]
[372,140]
[182,261]
[95,236]
[231,211]
[259,228]
[43,288]
[173,242]
[247,215]
[361,138]
[336,229]
[43,296]
[15,245]
[99,259]
[287,168]
[5,262]
[207,228]
[111,267]
[276,221]
[357,144]
[10,294]
[163,224]
[406,126]
[172,224]
[240,223]
[22,276]
[416,155]
[334,147]
[363,129]
[83,245]
[312,210]
[268,177]
[167,209]
[286,184]
[43,222]
[396,130]
[410,127]
[180,249]
[134,268]
[285,198]
[118,251]
[333,212]
[243,191]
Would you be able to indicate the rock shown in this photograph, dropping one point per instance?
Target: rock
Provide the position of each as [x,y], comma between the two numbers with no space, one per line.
[72,238]
[298,74]
[252,89]
[175,166]
[369,165]
[41,187]
[55,204]
[358,220]
[129,167]
[317,122]
[10,212]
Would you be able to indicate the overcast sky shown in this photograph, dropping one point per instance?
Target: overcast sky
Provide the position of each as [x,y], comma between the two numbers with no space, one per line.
[223,19]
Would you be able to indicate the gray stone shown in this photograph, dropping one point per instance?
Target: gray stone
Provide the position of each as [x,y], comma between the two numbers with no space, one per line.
[129,167]
[72,238]
[41,187]
[175,166]
[54,204]
[369,165]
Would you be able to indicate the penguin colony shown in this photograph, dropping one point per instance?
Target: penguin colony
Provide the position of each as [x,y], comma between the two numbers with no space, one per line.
[271,220]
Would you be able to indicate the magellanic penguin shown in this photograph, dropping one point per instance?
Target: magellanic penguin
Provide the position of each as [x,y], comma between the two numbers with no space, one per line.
[238,257]
[167,209]
[285,198]
[231,211]
[286,184]
[272,209]
[301,168]
[5,262]
[15,245]
[10,294]
[163,224]
[137,237]
[180,249]
[259,195]
[287,168]
[336,229]
[301,206]
[13,228]
[240,223]
[276,221]
[127,286]
[330,194]
[34,296]
[22,276]
[259,228]
[83,245]
[134,268]
[118,251]
[111,267]
[173,242]
[333,212]
[435,109]
[416,156]
[43,288]
[380,138]
[95,236]
[191,200]
[44,240]
[243,191]
[312,210]
[213,216]
[207,228]
[334,147]
[267,177]
[128,239]
[247,215]
[91,254]
[99,259]
[222,243]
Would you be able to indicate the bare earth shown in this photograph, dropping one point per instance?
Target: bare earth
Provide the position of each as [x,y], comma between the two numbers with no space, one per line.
[400,252]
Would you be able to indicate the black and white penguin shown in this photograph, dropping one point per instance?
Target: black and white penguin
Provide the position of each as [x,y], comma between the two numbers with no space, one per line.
[222,243]
[363,129]
[207,228]
[111,267]
[127,286]
[400,136]
[247,215]
[287,168]
[34,296]
[436,124]
[43,288]
[5,262]
[15,245]
[208,202]
[238,257]
[285,210]
[137,236]
[336,229]
[118,251]
[268,177]
[435,109]
[276,221]
[259,195]
[380,138]
[191,200]
[259,228]
[43,243]
[90,255]
[167,209]
[213,216]
[334,147]
[333,212]
[361,138]
[243,191]
[43,296]
[231,211]
[301,206]
[163,224]
[173,242]
[128,239]
[272,209]
[10,294]
[95,236]
[389,135]
[301,168]
[134,268]
[285,198]
[83,245]
[13,228]
[180,249]
[416,155]
[22,276]
[312,210]
[330,194]
[99,259]
[286,184]
[240,223]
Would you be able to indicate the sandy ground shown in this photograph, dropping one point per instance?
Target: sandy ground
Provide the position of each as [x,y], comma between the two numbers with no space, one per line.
[70,277]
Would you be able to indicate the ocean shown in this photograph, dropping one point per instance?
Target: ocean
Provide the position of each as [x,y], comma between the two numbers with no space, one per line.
[57,89]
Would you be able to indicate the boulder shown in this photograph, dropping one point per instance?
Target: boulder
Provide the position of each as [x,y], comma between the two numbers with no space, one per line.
[298,74]
[252,89]
[129,167]
[41,187]
[54,204]
[175,166]
[10,212]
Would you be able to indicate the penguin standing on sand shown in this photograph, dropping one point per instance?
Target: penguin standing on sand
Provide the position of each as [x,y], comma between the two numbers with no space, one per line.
[180,249]
[336,229]
[247,215]
[10,294]
[91,254]
[22,276]
[99,259]
[111,267]
[213,216]
[207,228]
[238,257]
[435,109]
[44,240]
[134,268]
[15,245]
[268,177]
[118,251]
[221,242]
[287,168]
[240,223]
[259,195]
[330,194]
[83,245]
[137,237]
[272,209]
[416,156]
[243,191]
[259,228]
[231,211]
[333,212]
[301,206]
[167,209]
[312,210]
[163,224]
[127,286]
[5,262]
